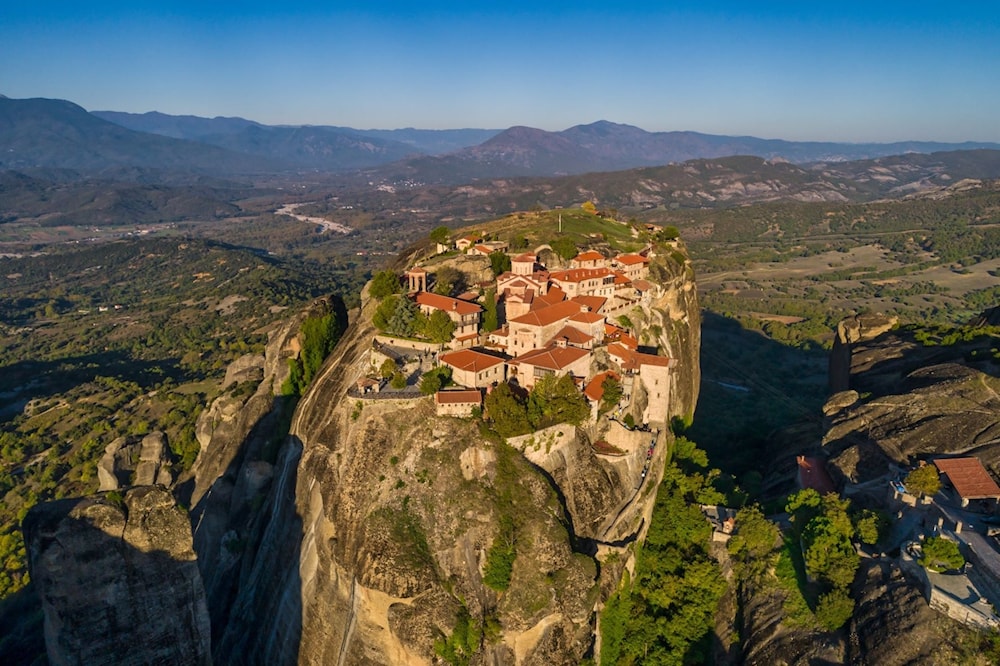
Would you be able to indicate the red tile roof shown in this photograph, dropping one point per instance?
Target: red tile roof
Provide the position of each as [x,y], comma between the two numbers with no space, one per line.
[621,278]
[553,296]
[589,255]
[482,249]
[524,258]
[593,303]
[813,474]
[969,477]
[631,259]
[587,317]
[446,303]
[595,388]
[551,358]
[650,359]
[633,360]
[579,274]
[458,397]
[642,285]
[548,315]
[470,359]
[416,269]
[573,336]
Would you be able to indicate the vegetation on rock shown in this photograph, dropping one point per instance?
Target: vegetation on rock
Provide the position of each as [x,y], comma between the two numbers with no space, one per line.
[665,615]
[923,481]
[941,554]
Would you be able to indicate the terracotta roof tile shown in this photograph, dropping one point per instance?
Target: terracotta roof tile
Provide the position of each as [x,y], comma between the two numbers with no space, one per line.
[587,317]
[551,358]
[446,303]
[594,389]
[548,315]
[969,477]
[631,259]
[458,397]
[579,274]
[573,336]
[593,303]
[470,360]
[812,472]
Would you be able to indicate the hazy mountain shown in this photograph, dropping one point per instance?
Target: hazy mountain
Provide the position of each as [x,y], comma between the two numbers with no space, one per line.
[312,147]
[387,145]
[433,142]
[606,146]
[60,134]
[177,127]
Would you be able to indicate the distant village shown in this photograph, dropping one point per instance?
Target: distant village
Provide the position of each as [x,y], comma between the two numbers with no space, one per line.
[549,322]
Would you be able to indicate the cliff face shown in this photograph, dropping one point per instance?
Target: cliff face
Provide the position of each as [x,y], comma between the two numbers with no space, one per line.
[364,537]
[907,400]
[382,517]
[118,580]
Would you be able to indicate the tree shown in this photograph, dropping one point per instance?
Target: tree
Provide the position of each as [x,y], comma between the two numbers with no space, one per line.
[871,526]
[491,320]
[448,281]
[499,263]
[387,369]
[380,318]
[439,327]
[555,399]
[940,554]
[755,540]
[384,283]
[507,412]
[405,320]
[803,506]
[834,609]
[668,233]
[829,553]
[924,480]
[434,380]
[589,207]
[398,380]
[564,247]
[440,235]
[612,393]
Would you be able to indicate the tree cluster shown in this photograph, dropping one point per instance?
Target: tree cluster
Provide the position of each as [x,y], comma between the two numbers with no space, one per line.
[318,336]
[666,614]
[554,399]
[399,316]
[825,530]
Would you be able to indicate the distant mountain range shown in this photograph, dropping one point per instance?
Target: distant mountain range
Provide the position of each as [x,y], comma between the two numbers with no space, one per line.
[45,133]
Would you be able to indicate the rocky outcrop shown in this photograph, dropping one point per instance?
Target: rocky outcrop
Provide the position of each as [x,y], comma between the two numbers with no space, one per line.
[892,623]
[945,408]
[118,580]
[135,461]
[380,519]
[850,332]
[768,639]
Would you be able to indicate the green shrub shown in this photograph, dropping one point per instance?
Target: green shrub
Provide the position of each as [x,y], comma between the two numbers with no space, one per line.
[834,609]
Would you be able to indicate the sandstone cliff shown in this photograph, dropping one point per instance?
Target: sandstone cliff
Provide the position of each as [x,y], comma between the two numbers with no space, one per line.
[381,516]
[363,536]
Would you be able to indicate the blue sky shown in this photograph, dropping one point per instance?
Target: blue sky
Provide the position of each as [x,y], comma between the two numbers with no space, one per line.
[844,71]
